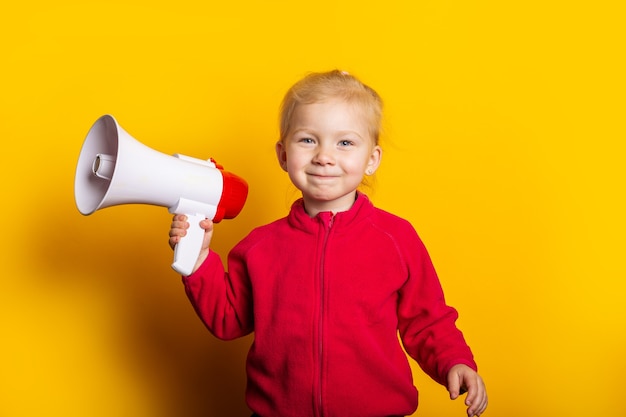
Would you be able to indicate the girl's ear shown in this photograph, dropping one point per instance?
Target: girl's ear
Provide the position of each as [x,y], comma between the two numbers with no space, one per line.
[281,154]
[374,160]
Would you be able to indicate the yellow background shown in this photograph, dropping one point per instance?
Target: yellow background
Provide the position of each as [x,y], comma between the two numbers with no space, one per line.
[504,148]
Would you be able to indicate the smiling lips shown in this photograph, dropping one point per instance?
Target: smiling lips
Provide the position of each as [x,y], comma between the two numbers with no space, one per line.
[322,176]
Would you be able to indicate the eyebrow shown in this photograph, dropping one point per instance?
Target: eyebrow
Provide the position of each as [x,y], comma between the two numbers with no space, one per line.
[339,133]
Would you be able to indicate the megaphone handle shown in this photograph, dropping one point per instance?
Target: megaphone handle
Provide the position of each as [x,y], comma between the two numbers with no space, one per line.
[188,249]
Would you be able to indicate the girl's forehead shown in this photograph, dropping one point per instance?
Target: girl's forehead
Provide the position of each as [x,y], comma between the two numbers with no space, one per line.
[330,112]
[334,106]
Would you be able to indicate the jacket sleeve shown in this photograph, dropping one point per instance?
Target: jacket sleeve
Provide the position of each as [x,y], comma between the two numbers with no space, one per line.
[427,325]
[222,300]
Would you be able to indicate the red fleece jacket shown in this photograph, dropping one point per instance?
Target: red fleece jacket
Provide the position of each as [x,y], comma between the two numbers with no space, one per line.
[326,297]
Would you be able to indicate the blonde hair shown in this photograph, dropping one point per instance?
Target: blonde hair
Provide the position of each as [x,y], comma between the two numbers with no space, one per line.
[318,87]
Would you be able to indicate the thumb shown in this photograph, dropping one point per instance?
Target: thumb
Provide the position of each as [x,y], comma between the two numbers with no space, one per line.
[454,385]
[207,225]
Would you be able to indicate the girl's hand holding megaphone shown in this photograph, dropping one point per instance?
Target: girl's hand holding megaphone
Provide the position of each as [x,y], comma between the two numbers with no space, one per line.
[178,230]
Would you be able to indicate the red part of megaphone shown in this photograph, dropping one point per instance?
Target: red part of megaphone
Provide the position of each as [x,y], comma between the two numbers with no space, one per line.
[233,198]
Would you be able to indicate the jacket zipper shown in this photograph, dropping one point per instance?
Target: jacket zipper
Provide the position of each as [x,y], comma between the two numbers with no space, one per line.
[321,317]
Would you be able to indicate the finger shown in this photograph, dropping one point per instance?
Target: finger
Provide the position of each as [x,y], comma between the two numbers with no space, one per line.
[479,408]
[483,404]
[473,392]
[179,221]
[476,399]
[454,385]
[178,231]
[180,224]
[173,241]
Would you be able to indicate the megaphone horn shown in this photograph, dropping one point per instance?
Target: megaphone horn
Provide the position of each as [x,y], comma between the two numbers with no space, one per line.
[114,168]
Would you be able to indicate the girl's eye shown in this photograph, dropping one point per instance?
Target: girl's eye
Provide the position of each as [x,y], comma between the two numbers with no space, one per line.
[306,140]
[345,142]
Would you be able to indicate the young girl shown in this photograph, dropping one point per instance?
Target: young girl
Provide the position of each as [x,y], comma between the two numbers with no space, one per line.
[327,288]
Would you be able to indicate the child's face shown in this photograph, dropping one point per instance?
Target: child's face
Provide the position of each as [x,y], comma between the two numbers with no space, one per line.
[327,152]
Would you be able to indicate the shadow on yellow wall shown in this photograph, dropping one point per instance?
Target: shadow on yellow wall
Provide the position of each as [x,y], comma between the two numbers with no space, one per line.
[129,329]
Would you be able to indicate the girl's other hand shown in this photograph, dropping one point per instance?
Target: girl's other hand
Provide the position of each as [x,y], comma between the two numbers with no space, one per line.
[462,378]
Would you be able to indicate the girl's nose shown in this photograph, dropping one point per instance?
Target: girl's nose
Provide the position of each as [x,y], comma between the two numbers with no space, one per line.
[323,156]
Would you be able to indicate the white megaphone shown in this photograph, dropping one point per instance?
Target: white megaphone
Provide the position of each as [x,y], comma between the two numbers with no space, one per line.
[114,168]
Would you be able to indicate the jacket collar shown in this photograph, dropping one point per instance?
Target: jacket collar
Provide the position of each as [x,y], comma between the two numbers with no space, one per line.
[299,218]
